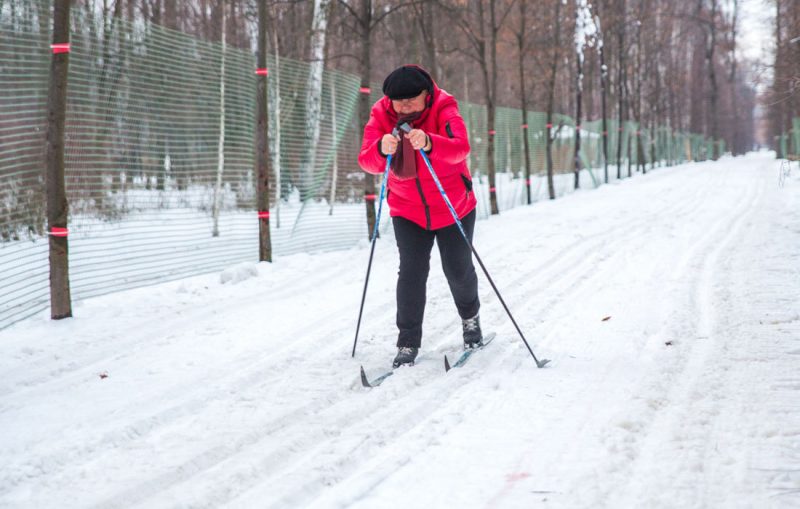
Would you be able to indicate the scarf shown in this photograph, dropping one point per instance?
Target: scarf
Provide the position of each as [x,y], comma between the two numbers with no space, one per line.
[404,161]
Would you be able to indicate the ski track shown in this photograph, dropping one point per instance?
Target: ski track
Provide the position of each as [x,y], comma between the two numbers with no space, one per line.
[298,430]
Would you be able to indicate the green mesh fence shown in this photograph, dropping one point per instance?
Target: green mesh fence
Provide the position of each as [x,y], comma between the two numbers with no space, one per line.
[159,161]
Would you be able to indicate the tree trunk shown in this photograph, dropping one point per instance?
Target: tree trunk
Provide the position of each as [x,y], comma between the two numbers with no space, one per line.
[712,78]
[736,148]
[491,94]
[640,159]
[523,4]
[335,165]
[551,99]
[620,84]
[319,28]
[221,139]
[57,205]
[276,139]
[365,22]
[603,90]
[262,137]
[579,44]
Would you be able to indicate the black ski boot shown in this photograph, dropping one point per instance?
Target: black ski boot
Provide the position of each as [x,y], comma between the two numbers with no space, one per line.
[473,337]
[405,355]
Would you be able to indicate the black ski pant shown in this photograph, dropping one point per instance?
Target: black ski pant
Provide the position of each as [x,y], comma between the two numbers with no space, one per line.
[415,244]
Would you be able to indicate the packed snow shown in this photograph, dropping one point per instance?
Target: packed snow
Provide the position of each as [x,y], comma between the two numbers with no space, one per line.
[668,303]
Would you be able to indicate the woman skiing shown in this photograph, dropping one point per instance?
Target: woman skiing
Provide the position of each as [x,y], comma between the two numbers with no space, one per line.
[419,212]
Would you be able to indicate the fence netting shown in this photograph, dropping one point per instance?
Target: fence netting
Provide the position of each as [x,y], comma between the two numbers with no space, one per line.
[159,155]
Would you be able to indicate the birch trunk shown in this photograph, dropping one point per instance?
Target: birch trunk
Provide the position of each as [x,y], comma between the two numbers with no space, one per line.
[319,26]
[603,90]
[335,165]
[221,142]
[277,146]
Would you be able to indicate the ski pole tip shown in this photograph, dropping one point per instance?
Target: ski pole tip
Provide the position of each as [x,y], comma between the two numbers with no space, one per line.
[542,363]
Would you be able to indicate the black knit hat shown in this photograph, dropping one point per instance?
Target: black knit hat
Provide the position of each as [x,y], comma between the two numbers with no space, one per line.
[406,82]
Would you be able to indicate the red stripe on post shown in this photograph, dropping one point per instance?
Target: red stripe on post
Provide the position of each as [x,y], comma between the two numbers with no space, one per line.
[492,189]
[524,126]
[492,132]
[364,90]
[370,197]
[577,127]
[262,71]
[61,47]
[263,214]
[549,126]
[605,133]
[56,231]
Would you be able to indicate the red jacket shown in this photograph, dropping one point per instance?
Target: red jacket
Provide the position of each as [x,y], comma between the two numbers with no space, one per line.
[419,200]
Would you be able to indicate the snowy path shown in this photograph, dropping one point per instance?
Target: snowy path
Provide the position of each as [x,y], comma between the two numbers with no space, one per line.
[243,394]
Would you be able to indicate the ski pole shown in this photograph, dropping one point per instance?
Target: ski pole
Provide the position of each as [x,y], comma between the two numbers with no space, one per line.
[372,249]
[539,363]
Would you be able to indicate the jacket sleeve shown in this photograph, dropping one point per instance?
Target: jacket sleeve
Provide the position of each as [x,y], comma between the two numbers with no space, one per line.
[453,147]
[370,158]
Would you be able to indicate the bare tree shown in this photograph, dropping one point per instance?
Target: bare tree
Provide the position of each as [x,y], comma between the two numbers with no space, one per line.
[366,21]
[603,87]
[221,138]
[523,46]
[262,140]
[583,29]
[482,37]
[57,206]
[319,27]
[554,58]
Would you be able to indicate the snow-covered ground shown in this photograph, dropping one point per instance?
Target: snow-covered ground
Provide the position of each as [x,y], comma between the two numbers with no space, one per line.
[237,389]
